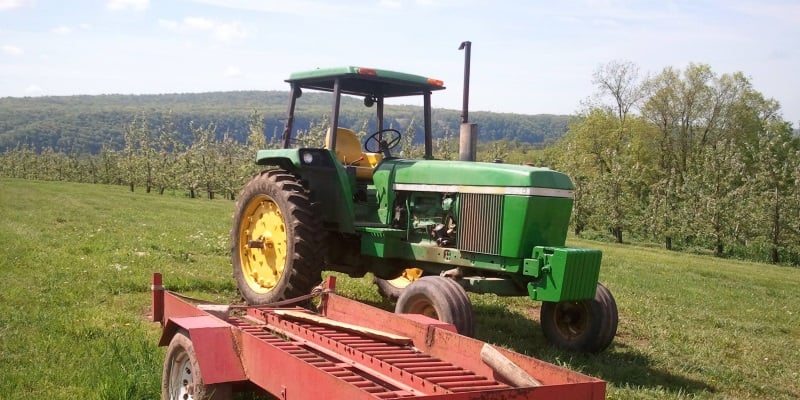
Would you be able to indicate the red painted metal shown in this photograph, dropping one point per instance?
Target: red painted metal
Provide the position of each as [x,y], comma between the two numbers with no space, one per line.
[294,359]
[158,297]
[460,350]
[219,362]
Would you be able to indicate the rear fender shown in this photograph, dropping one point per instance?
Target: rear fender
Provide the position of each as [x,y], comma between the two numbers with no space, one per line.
[326,178]
[288,159]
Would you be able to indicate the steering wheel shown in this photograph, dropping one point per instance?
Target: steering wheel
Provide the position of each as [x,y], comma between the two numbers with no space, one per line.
[383,145]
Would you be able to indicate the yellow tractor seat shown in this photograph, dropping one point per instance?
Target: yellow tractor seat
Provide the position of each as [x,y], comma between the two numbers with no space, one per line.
[348,151]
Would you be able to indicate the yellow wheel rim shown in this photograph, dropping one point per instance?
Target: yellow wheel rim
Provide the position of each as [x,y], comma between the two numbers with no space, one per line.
[262,244]
[408,276]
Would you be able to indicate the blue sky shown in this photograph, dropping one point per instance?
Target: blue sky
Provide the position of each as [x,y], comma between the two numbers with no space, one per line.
[527,57]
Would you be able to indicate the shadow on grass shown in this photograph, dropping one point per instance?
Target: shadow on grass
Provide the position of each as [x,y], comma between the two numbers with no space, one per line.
[620,364]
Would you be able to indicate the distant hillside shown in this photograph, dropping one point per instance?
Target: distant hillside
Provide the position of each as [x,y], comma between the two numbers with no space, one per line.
[79,124]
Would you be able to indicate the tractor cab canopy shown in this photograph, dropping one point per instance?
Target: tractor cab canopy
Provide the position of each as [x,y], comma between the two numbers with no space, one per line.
[374,85]
[360,81]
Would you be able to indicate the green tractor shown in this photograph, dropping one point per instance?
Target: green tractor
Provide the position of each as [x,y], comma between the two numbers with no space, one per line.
[428,230]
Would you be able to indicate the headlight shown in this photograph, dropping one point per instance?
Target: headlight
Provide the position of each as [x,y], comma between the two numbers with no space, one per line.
[308,158]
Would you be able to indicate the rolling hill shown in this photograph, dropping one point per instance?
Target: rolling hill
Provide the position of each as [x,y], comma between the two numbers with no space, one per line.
[82,124]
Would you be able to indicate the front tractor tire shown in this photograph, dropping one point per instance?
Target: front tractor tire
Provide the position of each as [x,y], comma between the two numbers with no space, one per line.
[276,239]
[587,326]
[439,298]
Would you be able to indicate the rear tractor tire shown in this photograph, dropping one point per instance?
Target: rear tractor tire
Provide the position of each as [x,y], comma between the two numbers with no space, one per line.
[391,289]
[182,379]
[276,240]
[439,298]
[587,326]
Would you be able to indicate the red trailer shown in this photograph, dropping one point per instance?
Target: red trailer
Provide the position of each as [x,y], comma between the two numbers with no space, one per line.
[346,350]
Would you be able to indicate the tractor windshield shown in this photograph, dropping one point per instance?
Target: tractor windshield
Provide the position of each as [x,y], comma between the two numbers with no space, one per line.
[372,86]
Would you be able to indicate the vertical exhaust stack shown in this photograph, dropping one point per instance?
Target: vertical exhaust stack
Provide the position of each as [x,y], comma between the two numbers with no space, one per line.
[468,135]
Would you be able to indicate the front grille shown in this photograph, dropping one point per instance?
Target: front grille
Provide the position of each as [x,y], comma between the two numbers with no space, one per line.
[480,223]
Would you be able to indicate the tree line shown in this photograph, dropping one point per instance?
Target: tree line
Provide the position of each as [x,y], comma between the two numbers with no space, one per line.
[687,158]
[83,124]
[155,158]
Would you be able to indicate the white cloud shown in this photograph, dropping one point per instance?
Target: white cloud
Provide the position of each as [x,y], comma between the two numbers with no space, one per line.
[443,3]
[62,30]
[230,31]
[136,5]
[33,89]
[222,31]
[12,4]
[788,11]
[391,4]
[232,71]
[296,7]
[198,23]
[12,50]
[169,24]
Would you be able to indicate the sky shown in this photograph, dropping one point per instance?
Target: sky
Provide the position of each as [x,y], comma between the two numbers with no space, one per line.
[530,57]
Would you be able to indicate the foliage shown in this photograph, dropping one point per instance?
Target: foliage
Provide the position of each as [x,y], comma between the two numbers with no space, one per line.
[706,163]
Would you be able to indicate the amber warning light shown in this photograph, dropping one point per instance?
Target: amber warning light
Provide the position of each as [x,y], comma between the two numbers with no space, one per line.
[435,82]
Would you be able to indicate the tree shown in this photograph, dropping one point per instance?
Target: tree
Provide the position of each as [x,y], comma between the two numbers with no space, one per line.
[165,154]
[203,159]
[408,149]
[315,135]
[713,194]
[133,159]
[231,160]
[256,138]
[691,110]
[772,184]
[620,81]
[601,145]
[443,148]
[109,164]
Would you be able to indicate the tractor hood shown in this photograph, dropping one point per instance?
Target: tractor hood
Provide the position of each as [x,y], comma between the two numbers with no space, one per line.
[495,177]
[517,206]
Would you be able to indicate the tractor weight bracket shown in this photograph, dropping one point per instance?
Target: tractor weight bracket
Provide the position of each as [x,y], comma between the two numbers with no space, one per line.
[535,267]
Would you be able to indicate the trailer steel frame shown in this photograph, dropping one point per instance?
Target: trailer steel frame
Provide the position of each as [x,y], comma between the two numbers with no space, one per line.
[350,350]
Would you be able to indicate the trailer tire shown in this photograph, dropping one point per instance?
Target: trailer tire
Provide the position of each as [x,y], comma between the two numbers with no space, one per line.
[440,298]
[391,289]
[277,239]
[587,326]
[182,378]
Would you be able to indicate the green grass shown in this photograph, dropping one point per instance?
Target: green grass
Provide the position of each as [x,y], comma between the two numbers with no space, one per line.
[75,271]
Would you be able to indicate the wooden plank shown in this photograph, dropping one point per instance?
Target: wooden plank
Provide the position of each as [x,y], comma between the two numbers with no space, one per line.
[319,320]
[507,368]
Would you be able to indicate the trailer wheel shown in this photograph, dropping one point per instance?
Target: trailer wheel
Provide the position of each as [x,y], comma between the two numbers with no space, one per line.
[182,378]
[587,326]
[392,288]
[277,239]
[440,298]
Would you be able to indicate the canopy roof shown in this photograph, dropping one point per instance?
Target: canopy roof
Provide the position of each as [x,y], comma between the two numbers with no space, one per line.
[360,81]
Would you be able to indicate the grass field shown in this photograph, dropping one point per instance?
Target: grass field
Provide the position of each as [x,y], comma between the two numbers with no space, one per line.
[75,271]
